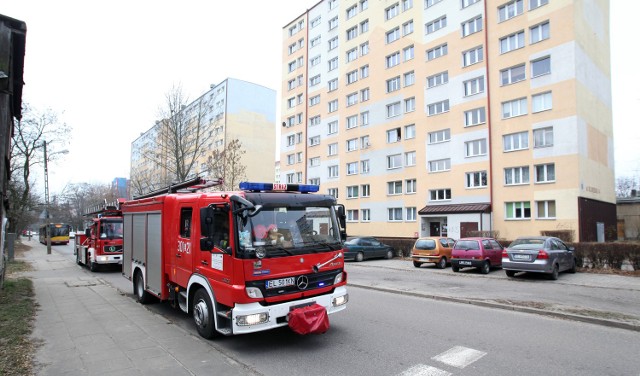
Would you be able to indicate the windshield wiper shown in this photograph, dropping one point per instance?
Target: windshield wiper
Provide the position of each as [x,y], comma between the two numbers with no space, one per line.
[278,248]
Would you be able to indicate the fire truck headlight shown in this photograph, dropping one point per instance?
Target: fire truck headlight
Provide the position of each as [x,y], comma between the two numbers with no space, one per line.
[338,278]
[254,292]
[256,318]
[102,258]
[340,300]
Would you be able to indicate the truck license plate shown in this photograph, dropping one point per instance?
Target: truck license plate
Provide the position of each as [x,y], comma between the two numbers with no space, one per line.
[282,282]
[465,262]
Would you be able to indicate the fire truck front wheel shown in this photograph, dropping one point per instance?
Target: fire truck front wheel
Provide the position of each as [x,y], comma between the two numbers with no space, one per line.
[203,314]
[138,289]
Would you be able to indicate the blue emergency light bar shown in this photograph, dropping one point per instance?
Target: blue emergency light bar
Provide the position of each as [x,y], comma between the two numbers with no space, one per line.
[260,187]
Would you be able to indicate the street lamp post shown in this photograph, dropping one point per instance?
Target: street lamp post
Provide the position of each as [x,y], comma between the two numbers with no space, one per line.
[46,199]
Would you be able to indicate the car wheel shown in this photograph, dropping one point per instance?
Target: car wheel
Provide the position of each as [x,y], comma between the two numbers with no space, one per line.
[359,257]
[510,273]
[573,266]
[554,273]
[484,269]
[389,255]
[455,269]
[417,264]
[442,263]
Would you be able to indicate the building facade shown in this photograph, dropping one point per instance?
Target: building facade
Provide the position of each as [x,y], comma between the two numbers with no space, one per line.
[444,117]
[231,110]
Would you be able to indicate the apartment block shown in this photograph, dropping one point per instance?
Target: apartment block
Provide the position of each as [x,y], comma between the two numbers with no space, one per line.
[233,109]
[445,117]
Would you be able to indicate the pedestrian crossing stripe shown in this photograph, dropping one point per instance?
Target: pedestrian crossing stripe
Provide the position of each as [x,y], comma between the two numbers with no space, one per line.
[459,356]
[424,370]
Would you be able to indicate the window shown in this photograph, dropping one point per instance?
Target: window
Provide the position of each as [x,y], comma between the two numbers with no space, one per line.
[393,84]
[352,11]
[440,136]
[514,108]
[364,26]
[185,222]
[473,86]
[364,118]
[518,210]
[366,190]
[291,140]
[440,165]
[333,192]
[315,161]
[333,105]
[409,78]
[411,213]
[539,32]
[365,168]
[440,194]
[314,42]
[393,59]
[476,179]
[475,148]
[437,79]
[437,108]
[516,175]
[291,159]
[410,158]
[392,35]
[352,33]
[315,140]
[364,4]
[352,121]
[333,84]
[407,28]
[410,104]
[437,52]
[515,141]
[409,131]
[364,71]
[541,102]
[352,54]
[352,99]
[365,215]
[364,141]
[394,214]
[472,56]
[333,171]
[408,53]
[472,26]
[333,23]
[333,64]
[430,3]
[410,186]
[435,25]
[510,10]
[512,42]
[406,5]
[352,168]
[314,181]
[394,187]
[364,95]
[314,100]
[393,109]
[333,43]
[512,75]
[546,209]
[466,3]
[545,173]
[291,178]
[291,102]
[364,48]
[543,137]
[541,66]
[474,117]
[533,4]
[353,191]
[352,144]
[392,11]
[352,215]
[315,22]
[352,77]
[393,135]
[332,149]
[314,120]
[314,80]
[394,161]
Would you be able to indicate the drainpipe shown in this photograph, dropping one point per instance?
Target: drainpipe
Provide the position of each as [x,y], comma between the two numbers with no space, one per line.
[488,85]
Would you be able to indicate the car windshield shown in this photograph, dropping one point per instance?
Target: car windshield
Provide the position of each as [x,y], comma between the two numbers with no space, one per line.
[523,243]
[290,230]
[467,244]
[425,244]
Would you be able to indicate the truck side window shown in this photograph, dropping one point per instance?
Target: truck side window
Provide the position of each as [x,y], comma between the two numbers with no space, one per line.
[221,229]
[185,222]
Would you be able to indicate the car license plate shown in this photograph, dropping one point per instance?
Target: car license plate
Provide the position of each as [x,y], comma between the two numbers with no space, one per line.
[521,257]
[423,259]
[282,282]
[465,262]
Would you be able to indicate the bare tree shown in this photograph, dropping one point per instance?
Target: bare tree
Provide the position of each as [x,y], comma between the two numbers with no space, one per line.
[72,203]
[227,164]
[26,153]
[184,135]
[626,185]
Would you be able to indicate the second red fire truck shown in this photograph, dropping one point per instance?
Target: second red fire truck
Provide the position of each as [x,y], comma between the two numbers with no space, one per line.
[101,243]
[266,256]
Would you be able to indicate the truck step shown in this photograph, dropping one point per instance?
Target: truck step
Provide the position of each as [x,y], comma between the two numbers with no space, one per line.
[225,314]
[182,301]
[225,331]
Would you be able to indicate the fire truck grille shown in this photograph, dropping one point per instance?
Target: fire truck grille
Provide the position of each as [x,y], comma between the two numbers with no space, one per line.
[301,282]
[112,248]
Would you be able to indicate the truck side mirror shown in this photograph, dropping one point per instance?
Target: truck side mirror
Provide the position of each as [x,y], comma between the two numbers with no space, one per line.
[206,244]
[206,223]
[87,232]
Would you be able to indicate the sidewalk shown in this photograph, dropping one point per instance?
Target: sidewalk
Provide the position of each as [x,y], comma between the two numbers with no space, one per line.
[88,328]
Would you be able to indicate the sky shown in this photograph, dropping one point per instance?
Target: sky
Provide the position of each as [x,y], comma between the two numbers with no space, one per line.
[105,67]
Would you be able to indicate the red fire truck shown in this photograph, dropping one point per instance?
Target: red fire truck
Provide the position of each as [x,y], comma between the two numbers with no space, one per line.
[241,261]
[101,243]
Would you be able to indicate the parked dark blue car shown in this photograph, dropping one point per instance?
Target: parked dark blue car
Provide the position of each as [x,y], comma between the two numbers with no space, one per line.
[364,248]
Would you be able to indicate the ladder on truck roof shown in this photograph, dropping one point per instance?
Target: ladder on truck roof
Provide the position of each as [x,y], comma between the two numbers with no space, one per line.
[105,209]
[188,186]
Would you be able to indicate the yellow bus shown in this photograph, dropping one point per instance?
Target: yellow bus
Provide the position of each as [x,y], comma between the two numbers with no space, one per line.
[59,233]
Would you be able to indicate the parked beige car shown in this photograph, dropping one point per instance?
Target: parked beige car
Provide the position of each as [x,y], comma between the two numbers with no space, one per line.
[433,249]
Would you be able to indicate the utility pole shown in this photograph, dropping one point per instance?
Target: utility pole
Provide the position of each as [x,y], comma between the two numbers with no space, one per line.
[46,198]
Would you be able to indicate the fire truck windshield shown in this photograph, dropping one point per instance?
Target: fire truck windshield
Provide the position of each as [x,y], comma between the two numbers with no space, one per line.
[111,229]
[283,231]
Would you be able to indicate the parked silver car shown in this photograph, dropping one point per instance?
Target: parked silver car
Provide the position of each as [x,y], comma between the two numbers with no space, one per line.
[538,254]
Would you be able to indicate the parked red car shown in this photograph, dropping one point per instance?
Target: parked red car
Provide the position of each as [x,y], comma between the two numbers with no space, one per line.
[481,253]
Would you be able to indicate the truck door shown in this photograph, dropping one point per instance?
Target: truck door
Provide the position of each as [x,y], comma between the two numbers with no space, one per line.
[216,264]
[182,255]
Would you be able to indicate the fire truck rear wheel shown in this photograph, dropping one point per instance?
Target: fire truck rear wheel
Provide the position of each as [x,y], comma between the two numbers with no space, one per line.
[138,289]
[203,314]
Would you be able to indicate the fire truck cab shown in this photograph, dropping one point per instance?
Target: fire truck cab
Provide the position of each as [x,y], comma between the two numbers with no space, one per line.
[238,261]
[101,242]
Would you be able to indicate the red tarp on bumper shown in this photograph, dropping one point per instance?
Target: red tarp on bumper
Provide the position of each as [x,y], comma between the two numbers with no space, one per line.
[309,319]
